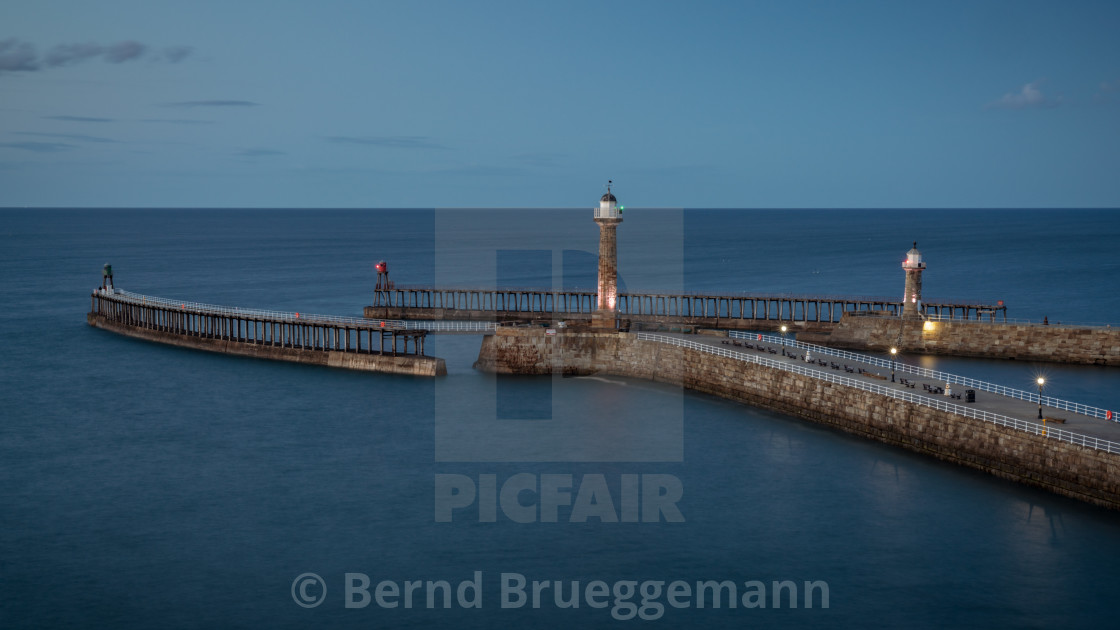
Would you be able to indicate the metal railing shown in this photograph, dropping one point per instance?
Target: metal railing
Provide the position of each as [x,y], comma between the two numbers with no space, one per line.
[448,326]
[292,316]
[927,401]
[1010,392]
[692,294]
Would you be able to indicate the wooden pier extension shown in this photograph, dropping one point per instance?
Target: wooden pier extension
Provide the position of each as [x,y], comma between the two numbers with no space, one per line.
[350,343]
[744,311]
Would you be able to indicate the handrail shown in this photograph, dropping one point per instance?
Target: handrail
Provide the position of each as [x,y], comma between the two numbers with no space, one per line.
[927,401]
[689,294]
[291,316]
[1010,392]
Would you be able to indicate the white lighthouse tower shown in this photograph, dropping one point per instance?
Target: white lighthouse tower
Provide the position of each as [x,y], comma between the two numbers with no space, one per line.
[608,215]
[912,294]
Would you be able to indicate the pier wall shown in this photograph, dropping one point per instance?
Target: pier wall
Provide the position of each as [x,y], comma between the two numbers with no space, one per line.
[1066,469]
[400,364]
[1059,344]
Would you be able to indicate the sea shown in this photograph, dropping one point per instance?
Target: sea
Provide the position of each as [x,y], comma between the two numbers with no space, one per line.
[147,486]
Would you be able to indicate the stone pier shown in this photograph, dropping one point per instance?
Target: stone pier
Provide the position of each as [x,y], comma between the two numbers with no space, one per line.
[1071,470]
[996,340]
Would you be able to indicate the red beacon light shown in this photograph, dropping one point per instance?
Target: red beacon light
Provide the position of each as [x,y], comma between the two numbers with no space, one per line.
[381,267]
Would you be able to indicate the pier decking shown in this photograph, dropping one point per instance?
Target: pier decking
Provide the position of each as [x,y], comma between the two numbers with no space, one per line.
[353,343]
[730,310]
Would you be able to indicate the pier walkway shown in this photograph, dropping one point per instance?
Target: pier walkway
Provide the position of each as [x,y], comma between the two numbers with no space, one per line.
[1018,409]
[345,342]
[726,310]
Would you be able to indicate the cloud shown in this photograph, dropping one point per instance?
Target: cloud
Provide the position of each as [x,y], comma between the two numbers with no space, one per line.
[17,56]
[392,142]
[64,136]
[175,54]
[258,152]
[1030,96]
[38,147]
[66,54]
[124,51]
[217,103]
[177,121]
[80,119]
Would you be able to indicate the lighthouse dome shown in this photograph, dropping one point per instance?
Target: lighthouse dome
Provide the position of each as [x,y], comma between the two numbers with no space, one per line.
[608,205]
[914,258]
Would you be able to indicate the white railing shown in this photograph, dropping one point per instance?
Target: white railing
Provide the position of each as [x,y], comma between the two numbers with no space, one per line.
[927,401]
[292,316]
[448,326]
[1010,392]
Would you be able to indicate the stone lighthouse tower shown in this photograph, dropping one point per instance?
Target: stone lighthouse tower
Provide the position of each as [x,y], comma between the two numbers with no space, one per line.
[912,297]
[608,215]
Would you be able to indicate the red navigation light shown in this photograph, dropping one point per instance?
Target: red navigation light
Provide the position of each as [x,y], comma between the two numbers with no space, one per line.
[381,267]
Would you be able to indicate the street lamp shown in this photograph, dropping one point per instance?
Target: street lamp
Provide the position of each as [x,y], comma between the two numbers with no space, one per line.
[894,351]
[1041,382]
[784,329]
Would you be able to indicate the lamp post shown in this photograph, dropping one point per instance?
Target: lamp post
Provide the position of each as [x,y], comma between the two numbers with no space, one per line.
[1041,382]
[784,329]
[894,351]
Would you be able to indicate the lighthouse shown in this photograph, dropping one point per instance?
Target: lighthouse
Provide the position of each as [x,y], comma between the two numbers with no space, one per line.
[912,295]
[608,215]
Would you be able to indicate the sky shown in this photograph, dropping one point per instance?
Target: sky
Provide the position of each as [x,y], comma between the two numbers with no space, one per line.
[537,104]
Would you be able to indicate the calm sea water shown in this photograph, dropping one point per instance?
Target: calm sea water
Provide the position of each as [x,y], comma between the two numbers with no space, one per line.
[143,485]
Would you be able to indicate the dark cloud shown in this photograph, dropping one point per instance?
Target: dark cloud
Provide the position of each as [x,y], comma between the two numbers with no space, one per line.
[177,121]
[258,152]
[64,136]
[124,51]
[392,142]
[17,56]
[217,103]
[66,54]
[38,147]
[175,54]
[79,119]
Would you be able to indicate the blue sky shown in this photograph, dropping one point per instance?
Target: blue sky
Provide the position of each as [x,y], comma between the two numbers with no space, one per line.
[537,104]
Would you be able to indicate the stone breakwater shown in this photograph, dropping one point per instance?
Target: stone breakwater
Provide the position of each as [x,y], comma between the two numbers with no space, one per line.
[1058,344]
[1067,469]
[401,364]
